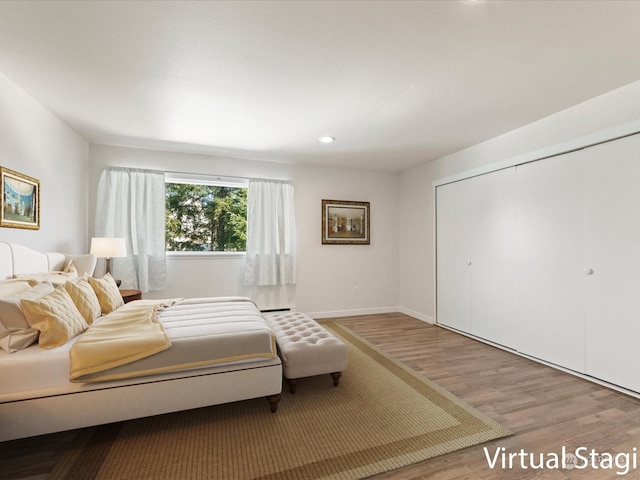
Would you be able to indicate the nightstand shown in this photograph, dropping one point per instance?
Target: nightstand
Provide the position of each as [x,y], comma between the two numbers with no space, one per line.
[130,295]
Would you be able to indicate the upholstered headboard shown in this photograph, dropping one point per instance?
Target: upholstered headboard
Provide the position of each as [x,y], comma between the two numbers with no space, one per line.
[16,259]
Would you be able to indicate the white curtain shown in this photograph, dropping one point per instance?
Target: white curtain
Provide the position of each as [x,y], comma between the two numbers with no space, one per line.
[131,204]
[271,233]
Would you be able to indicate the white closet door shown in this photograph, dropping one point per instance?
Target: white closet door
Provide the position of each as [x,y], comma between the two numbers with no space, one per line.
[493,256]
[612,183]
[550,268]
[452,255]
[475,255]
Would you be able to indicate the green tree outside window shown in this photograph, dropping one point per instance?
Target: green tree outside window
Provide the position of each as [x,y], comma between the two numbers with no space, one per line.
[205,218]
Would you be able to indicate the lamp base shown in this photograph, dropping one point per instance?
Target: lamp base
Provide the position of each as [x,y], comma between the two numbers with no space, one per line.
[108,270]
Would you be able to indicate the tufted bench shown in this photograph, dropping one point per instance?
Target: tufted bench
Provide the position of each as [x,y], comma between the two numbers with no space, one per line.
[306,348]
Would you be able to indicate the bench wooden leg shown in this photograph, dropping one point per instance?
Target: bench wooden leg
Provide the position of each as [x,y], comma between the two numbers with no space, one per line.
[273,401]
[293,383]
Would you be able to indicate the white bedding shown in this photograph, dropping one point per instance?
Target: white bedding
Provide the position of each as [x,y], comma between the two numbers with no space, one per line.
[218,332]
[203,332]
[34,369]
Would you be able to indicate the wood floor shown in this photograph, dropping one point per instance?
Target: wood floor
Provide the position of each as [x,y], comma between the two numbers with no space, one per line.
[545,408]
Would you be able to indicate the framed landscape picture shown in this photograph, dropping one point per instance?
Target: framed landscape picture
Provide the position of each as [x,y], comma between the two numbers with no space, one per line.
[20,200]
[345,223]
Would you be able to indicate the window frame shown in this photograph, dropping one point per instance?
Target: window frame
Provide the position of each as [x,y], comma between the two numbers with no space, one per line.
[205,179]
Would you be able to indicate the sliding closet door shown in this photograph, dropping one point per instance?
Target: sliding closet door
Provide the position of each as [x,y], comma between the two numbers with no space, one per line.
[613,253]
[453,280]
[493,256]
[475,256]
[551,260]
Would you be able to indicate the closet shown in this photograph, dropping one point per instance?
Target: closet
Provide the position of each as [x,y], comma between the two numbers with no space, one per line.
[612,230]
[475,255]
[550,260]
[544,258]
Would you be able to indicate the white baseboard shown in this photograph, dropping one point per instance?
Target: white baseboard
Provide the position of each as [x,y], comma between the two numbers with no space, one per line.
[372,311]
[419,316]
[352,313]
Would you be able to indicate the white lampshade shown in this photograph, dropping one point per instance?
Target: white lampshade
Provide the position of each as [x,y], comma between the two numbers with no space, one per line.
[106,247]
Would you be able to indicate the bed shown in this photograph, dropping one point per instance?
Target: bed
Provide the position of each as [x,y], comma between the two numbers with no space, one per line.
[37,396]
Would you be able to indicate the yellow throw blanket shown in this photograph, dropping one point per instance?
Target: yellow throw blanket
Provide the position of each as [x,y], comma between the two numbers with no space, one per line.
[125,335]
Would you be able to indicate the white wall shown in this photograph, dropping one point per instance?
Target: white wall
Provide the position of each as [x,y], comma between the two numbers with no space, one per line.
[416,199]
[346,279]
[35,142]
[327,275]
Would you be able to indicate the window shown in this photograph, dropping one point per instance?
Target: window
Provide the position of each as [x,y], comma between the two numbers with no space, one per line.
[205,214]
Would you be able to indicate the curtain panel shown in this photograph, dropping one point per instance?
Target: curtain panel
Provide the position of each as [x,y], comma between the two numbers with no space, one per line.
[271,233]
[131,204]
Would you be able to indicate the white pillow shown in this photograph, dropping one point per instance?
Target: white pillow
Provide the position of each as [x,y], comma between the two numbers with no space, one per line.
[56,278]
[13,286]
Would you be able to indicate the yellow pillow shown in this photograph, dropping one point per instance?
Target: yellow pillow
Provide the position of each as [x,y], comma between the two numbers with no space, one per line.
[55,316]
[84,298]
[70,267]
[107,293]
[15,331]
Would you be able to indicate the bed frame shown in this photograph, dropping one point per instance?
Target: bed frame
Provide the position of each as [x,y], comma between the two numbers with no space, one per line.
[47,411]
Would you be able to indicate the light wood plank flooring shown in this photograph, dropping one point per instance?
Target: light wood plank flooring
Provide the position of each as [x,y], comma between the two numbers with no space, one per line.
[545,408]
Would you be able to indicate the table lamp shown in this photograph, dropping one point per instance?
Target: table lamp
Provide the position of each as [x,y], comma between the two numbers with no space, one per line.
[108,248]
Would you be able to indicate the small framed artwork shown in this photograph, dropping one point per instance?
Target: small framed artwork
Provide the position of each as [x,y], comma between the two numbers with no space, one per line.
[345,223]
[20,200]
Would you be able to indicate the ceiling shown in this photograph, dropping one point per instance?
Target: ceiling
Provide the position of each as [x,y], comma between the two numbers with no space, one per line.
[397,83]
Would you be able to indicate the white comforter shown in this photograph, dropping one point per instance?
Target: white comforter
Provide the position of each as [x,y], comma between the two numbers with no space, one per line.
[220,332]
[201,332]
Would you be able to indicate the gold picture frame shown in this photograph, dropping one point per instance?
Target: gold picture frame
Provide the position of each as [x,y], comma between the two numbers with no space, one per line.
[345,222]
[19,200]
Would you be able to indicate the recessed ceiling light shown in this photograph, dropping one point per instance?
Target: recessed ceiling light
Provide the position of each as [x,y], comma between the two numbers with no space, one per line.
[327,139]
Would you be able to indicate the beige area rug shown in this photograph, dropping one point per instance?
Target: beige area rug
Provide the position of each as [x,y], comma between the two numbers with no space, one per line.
[382,416]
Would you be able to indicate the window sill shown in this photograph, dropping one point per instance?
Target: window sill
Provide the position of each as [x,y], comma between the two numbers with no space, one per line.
[201,255]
